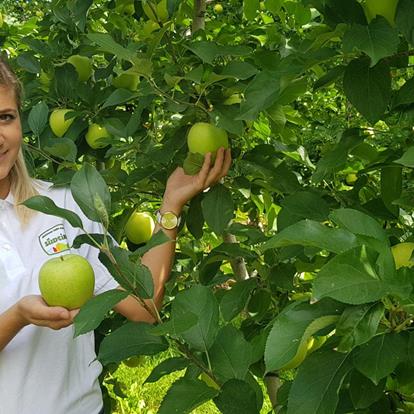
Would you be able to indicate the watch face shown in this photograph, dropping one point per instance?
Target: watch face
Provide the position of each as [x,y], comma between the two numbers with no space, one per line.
[169,220]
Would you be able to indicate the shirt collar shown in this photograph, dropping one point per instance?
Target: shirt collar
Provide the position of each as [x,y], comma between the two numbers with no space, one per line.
[8,201]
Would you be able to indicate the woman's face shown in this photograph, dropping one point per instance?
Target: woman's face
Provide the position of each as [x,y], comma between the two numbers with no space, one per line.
[10,136]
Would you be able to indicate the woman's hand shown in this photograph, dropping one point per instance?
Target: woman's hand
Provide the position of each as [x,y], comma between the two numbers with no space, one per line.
[182,187]
[34,310]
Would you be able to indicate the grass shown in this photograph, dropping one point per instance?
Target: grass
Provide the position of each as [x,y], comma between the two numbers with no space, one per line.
[146,398]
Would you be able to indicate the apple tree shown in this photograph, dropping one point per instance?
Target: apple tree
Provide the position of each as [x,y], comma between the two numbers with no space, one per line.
[286,272]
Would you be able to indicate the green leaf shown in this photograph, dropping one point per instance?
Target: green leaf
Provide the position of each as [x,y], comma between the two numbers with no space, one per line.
[185,395]
[218,208]
[250,8]
[107,44]
[379,357]
[405,95]
[167,367]
[176,326]
[368,89]
[359,223]
[199,301]
[91,193]
[239,70]
[38,116]
[363,391]
[391,187]
[192,163]
[335,159]
[405,19]
[358,324]
[351,277]
[133,338]
[237,396]
[119,96]
[63,148]
[95,310]
[28,62]
[262,92]
[292,91]
[157,239]
[194,219]
[302,205]
[230,355]
[47,206]
[209,51]
[291,331]
[93,239]
[234,300]
[318,395]
[407,159]
[131,275]
[311,233]
[377,40]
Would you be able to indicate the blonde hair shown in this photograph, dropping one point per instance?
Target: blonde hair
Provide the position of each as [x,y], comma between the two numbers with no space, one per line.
[21,184]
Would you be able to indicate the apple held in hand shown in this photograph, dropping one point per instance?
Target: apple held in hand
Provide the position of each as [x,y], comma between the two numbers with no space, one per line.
[83,66]
[201,139]
[204,137]
[58,122]
[66,281]
[94,135]
[139,227]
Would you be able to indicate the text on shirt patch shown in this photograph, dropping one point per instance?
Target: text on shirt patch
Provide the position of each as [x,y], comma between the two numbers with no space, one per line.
[54,240]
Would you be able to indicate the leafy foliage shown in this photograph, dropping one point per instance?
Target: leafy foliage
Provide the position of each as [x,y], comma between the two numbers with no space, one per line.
[287,249]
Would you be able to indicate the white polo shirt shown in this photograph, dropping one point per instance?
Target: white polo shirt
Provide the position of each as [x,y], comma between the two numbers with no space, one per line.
[43,371]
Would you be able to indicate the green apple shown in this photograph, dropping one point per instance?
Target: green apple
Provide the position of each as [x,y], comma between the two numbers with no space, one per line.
[160,9]
[83,66]
[58,121]
[94,134]
[385,8]
[351,178]
[139,227]
[218,8]
[66,281]
[204,137]
[127,80]
[402,253]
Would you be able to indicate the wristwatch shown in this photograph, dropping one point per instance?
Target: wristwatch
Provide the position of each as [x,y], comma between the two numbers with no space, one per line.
[167,220]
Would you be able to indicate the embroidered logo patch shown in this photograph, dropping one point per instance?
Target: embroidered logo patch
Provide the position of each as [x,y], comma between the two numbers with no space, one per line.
[54,240]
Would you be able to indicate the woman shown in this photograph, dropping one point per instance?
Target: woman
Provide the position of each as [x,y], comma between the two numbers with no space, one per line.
[43,370]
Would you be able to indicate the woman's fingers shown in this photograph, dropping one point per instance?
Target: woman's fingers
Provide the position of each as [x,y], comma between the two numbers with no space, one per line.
[220,167]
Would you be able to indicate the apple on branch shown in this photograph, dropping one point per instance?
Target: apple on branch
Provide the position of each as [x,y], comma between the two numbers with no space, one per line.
[95,134]
[139,227]
[82,65]
[59,122]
